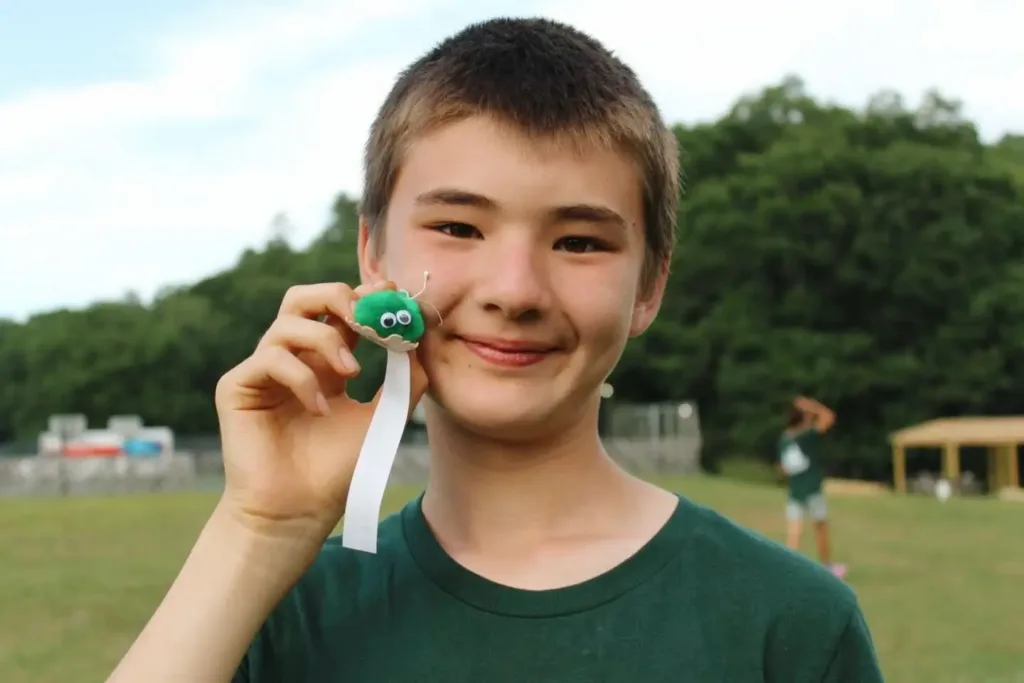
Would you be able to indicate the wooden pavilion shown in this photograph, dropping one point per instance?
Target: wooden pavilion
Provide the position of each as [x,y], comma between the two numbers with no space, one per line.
[1000,435]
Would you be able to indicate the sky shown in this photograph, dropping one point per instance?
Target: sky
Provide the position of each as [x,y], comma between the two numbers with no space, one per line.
[146,144]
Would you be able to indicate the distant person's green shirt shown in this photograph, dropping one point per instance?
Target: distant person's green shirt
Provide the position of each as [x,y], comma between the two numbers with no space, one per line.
[800,457]
[705,601]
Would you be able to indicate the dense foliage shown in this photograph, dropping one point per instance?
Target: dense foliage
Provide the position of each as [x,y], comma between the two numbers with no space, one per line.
[872,258]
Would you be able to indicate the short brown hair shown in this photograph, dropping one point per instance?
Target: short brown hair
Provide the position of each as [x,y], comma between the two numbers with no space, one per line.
[546,78]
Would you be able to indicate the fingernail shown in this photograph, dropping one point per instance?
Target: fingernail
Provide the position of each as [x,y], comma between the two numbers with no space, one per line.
[322,405]
[348,360]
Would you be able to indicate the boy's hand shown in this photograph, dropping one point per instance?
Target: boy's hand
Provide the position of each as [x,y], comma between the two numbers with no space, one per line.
[805,404]
[823,416]
[290,434]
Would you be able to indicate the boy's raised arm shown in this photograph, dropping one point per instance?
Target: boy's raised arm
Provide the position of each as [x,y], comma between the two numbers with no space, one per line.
[290,438]
[824,417]
[231,581]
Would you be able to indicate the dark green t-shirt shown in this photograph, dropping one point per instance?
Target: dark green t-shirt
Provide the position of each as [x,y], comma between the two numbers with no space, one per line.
[705,601]
[800,456]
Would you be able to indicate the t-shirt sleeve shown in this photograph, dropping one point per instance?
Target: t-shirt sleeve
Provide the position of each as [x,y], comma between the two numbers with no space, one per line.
[242,673]
[854,659]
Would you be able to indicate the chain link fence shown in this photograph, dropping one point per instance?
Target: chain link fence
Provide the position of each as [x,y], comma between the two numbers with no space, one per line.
[647,439]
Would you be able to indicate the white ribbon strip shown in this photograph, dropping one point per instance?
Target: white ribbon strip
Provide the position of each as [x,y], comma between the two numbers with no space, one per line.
[376,457]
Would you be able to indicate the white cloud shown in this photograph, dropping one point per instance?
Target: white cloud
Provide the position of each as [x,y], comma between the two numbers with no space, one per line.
[89,211]
[697,58]
[199,76]
[269,113]
[142,222]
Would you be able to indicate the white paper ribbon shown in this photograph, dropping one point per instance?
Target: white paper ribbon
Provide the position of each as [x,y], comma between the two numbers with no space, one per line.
[377,456]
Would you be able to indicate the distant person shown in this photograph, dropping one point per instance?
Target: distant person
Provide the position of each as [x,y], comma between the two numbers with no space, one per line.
[800,461]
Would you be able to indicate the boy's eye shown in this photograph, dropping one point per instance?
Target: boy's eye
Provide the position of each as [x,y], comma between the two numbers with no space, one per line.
[579,245]
[458,230]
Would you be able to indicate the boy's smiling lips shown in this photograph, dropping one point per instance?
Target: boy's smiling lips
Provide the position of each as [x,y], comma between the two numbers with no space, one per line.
[507,352]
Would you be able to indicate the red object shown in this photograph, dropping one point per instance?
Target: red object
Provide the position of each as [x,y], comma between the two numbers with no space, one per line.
[91,451]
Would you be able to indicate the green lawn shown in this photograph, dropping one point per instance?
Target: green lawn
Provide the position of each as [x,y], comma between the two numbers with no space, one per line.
[942,584]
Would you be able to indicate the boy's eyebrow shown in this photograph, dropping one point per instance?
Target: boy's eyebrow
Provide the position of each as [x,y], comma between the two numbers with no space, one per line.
[588,213]
[451,197]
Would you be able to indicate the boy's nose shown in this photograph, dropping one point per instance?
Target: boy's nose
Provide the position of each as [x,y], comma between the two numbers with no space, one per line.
[513,281]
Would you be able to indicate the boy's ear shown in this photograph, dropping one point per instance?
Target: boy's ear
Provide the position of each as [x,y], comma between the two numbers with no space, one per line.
[372,267]
[647,305]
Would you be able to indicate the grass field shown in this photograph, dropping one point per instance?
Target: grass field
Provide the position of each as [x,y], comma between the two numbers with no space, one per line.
[942,584]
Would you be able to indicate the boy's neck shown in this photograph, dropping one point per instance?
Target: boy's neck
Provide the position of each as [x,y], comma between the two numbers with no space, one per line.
[484,493]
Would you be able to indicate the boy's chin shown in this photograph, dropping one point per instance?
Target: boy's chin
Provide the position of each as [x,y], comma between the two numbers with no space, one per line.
[504,416]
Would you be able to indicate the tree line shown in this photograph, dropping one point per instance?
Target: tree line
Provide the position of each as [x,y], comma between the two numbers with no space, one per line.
[872,258]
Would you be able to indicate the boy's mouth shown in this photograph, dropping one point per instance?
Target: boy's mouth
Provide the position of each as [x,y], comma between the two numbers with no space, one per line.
[516,353]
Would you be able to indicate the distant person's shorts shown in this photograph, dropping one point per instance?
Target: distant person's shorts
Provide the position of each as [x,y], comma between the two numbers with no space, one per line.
[815,507]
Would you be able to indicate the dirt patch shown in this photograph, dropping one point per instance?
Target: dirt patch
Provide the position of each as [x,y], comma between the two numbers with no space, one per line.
[1011,494]
[853,487]
[1010,569]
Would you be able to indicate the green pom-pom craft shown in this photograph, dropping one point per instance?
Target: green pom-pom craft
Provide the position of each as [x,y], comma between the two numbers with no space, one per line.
[392,319]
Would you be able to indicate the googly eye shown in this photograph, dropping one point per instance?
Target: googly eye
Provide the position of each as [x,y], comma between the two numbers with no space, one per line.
[387,320]
[404,317]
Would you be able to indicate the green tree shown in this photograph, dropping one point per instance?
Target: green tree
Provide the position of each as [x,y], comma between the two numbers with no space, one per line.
[844,255]
[873,258]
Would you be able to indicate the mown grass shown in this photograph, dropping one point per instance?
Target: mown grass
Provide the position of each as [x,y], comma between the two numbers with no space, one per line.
[942,584]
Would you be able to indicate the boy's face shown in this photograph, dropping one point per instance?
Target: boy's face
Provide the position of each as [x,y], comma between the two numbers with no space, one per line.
[535,256]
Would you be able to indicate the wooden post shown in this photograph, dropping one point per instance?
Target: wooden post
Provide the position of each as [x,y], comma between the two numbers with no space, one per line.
[994,456]
[899,468]
[1004,467]
[1002,470]
[1012,467]
[951,462]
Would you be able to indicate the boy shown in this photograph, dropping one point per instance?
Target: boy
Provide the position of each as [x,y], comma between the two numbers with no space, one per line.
[800,461]
[527,170]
